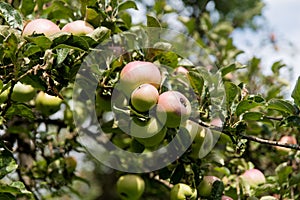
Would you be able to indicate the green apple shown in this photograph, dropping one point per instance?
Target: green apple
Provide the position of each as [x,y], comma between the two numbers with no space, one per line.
[144,97]
[4,95]
[78,27]
[197,133]
[145,129]
[22,92]
[173,108]
[253,177]
[40,26]
[47,104]
[130,187]
[153,140]
[137,73]
[206,185]
[183,191]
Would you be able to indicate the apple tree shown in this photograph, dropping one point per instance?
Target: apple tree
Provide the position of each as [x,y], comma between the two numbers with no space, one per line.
[97,104]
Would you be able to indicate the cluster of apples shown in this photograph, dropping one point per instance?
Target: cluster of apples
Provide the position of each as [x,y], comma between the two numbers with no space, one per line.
[48,28]
[22,93]
[140,81]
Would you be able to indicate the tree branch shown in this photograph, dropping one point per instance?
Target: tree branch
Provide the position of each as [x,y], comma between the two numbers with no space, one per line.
[269,142]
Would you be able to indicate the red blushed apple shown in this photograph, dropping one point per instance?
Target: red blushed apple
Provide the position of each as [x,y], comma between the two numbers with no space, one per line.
[226,198]
[78,27]
[287,140]
[173,108]
[137,73]
[144,97]
[181,70]
[253,177]
[39,26]
[206,184]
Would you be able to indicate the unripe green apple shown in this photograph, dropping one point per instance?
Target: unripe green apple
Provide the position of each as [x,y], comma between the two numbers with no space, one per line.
[145,129]
[78,27]
[198,133]
[47,104]
[288,140]
[253,177]
[153,140]
[130,187]
[23,92]
[206,184]
[183,191]
[4,95]
[144,97]
[137,73]
[39,26]
[173,108]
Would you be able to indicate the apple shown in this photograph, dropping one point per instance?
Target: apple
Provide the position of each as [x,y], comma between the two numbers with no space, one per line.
[78,27]
[137,73]
[144,97]
[181,70]
[39,26]
[206,184]
[70,164]
[197,133]
[224,197]
[130,187]
[4,95]
[288,140]
[173,108]
[47,104]
[183,191]
[22,92]
[253,177]
[145,129]
[153,140]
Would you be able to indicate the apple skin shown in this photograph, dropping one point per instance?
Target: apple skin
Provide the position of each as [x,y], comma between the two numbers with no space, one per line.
[147,129]
[197,133]
[181,70]
[253,177]
[137,73]
[153,140]
[206,184]
[130,187]
[78,27]
[288,140]
[39,26]
[47,104]
[144,97]
[22,92]
[4,95]
[226,198]
[173,108]
[182,191]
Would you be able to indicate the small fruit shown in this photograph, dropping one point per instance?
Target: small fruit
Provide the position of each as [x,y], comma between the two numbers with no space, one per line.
[4,95]
[287,140]
[39,26]
[226,198]
[253,177]
[48,104]
[206,184]
[173,108]
[22,92]
[144,97]
[137,73]
[182,191]
[130,187]
[145,129]
[181,70]
[78,27]
[153,140]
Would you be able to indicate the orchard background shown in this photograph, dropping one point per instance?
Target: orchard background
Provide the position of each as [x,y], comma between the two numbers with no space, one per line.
[41,156]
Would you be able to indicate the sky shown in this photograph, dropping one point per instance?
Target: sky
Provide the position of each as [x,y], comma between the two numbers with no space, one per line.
[282,21]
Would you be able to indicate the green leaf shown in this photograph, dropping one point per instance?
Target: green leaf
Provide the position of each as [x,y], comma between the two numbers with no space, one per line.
[292,121]
[253,116]
[31,49]
[7,163]
[27,7]
[283,171]
[11,45]
[100,34]
[232,92]
[42,41]
[152,22]
[277,66]
[7,196]
[17,189]
[127,5]
[232,67]
[296,92]
[196,81]
[11,16]
[20,110]
[246,105]
[282,106]
[62,55]
[217,190]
